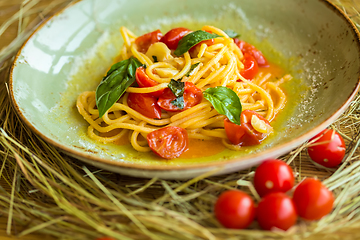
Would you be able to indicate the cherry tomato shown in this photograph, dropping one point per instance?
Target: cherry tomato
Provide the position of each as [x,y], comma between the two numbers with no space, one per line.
[248,48]
[169,142]
[143,42]
[172,37]
[145,104]
[312,199]
[144,81]
[273,176]
[192,96]
[276,210]
[250,67]
[235,209]
[245,134]
[329,149]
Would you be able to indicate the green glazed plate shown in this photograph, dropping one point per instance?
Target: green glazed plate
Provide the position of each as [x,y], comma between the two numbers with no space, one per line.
[313,40]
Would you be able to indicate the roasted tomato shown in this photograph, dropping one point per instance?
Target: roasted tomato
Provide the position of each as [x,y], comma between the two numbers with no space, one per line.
[172,37]
[251,131]
[145,104]
[192,96]
[235,209]
[250,67]
[144,81]
[143,42]
[169,142]
[329,149]
[248,48]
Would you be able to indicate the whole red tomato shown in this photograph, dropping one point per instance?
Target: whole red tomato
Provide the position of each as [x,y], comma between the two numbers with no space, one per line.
[235,209]
[273,176]
[143,42]
[172,37]
[276,210]
[145,104]
[312,199]
[329,149]
[168,142]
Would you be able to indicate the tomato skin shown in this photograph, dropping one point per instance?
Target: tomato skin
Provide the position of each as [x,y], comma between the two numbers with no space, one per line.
[192,96]
[234,209]
[172,37]
[312,199]
[245,134]
[248,48]
[145,104]
[143,80]
[276,210]
[331,152]
[250,67]
[168,142]
[143,42]
[273,176]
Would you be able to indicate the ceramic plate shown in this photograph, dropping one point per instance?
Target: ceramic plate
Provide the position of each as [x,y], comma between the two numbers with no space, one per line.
[68,54]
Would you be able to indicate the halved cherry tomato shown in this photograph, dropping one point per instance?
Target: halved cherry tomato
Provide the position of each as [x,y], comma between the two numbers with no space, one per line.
[172,37]
[169,142]
[276,210]
[192,96]
[245,134]
[145,104]
[329,149]
[143,42]
[234,209]
[143,80]
[273,176]
[250,67]
[248,48]
[312,199]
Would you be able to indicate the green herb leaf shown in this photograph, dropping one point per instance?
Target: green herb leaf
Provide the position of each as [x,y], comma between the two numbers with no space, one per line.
[191,39]
[225,101]
[120,76]
[155,58]
[177,87]
[231,33]
[190,72]
[178,102]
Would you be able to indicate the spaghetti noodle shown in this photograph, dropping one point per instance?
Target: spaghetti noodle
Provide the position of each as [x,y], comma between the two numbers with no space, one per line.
[219,62]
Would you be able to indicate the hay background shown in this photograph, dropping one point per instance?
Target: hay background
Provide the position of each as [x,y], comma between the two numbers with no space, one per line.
[32,209]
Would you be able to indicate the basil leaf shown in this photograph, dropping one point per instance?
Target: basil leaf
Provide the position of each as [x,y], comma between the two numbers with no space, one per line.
[190,72]
[120,76]
[191,39]
[177,87]
[155,58]
[178,102]
[225,101]
[231,33]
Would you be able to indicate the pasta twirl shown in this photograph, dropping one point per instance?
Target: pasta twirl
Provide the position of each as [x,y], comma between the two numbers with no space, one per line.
[209,64]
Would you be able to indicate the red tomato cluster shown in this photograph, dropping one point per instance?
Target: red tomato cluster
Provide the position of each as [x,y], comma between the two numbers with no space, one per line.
[328,148]
[245,134]
[311,200]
